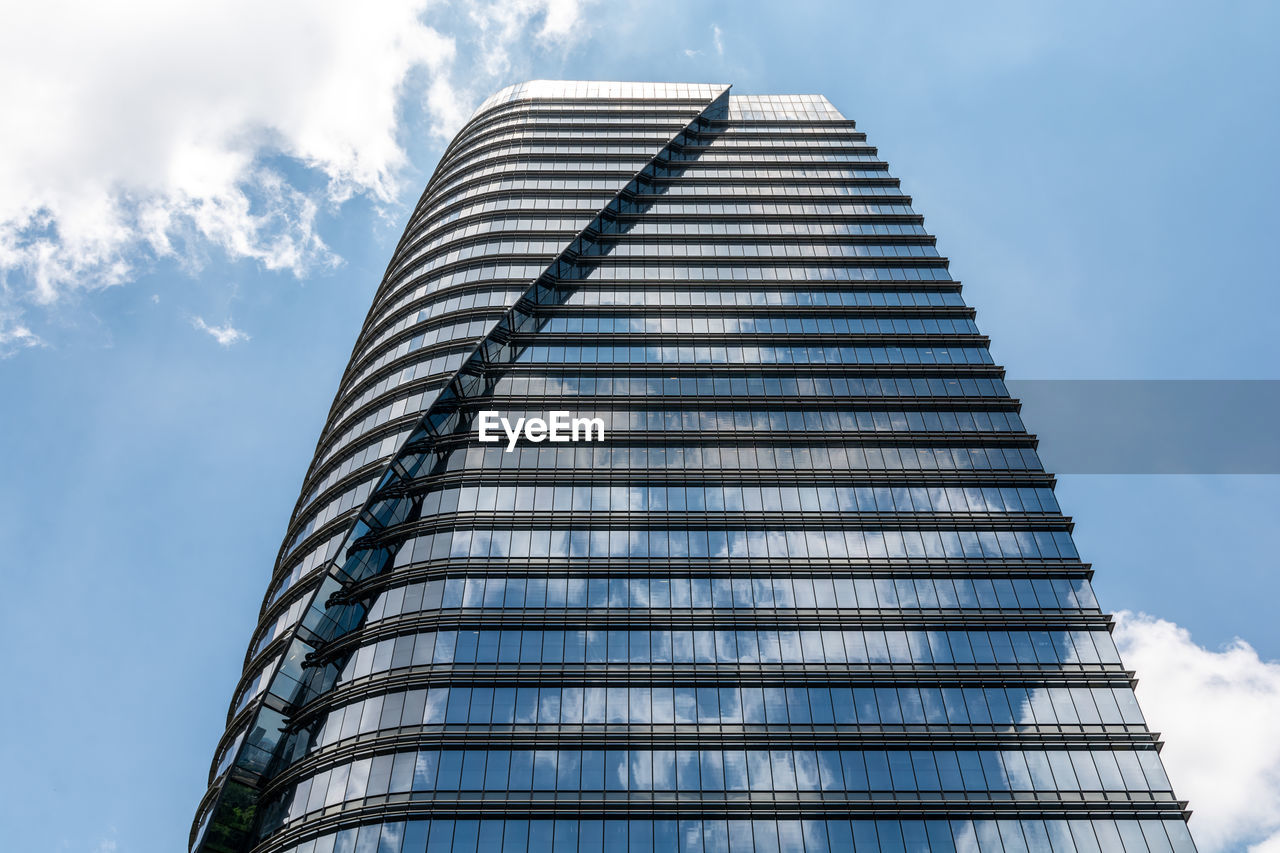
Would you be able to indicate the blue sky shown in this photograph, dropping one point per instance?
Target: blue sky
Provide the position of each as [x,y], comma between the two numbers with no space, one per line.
[196,206]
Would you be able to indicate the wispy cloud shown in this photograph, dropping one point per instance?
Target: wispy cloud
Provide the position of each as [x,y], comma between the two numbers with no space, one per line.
[15,337]
[145,130]
[1219,713]
[106,844]
[225,335]
[717,44]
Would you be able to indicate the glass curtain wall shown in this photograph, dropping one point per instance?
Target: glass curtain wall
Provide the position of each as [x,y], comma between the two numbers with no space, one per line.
[812,592]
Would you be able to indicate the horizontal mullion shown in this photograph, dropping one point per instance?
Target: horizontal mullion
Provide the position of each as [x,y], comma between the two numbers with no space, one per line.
[704,339]
[731,619]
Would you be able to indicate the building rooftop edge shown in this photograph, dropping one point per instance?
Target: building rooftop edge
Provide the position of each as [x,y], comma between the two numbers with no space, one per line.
[605,89]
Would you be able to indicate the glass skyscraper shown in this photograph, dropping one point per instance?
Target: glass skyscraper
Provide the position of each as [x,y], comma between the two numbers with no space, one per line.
[812,591]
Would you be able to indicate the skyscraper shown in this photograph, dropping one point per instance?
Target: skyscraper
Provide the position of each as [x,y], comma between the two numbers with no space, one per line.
[671,500]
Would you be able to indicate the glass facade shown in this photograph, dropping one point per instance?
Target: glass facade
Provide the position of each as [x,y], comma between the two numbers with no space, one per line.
[812,592]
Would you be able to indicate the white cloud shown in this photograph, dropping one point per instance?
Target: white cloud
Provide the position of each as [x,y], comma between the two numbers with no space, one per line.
[500,24]
[225,335]
[144,129]
[15,337]
[1219,713]
[717,43]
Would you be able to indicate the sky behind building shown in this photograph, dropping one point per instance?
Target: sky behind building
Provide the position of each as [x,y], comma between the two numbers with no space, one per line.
[195,208]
